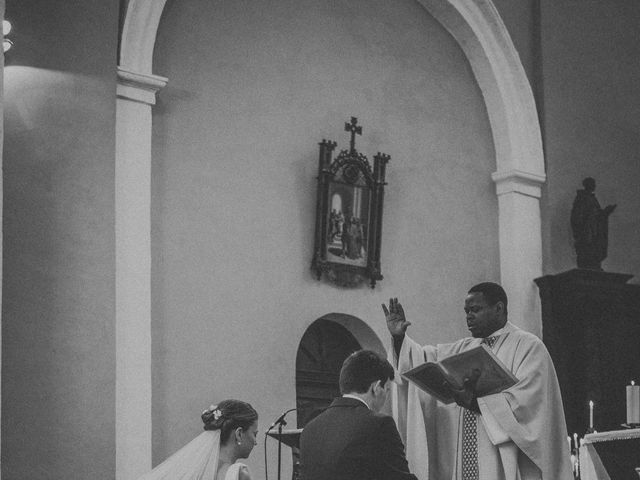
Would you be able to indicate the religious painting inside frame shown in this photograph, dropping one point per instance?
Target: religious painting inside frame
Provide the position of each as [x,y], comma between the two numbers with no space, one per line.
[349,214]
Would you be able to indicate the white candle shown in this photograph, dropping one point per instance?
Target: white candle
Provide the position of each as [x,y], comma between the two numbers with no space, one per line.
[569,442]
[633,403]
[575,440]
[590,414]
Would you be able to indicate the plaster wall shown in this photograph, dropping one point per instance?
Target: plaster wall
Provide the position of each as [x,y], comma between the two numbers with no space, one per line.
[592,124]
[58,353]
[253,87]
[520,19]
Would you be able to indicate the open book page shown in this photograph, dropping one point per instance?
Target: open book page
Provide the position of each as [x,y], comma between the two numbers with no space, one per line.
[432,378]
[494,376]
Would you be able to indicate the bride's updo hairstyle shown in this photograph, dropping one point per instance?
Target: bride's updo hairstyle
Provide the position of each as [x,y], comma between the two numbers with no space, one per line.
[227,416]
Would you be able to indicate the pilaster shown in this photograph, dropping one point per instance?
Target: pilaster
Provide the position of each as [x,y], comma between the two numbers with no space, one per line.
[520,244]
[136,95]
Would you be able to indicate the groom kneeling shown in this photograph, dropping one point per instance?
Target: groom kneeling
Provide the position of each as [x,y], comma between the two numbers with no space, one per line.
[351,440]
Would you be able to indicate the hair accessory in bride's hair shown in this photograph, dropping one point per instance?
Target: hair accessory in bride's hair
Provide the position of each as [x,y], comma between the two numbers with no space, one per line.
[227,416]
[211,416]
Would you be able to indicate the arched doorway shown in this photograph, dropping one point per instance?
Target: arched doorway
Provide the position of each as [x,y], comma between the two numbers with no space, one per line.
[323,348]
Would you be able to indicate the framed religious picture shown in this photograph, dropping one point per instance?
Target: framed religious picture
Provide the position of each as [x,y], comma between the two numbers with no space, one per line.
[349,214]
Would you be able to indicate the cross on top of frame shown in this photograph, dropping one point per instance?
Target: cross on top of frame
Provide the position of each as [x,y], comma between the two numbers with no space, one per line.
[354,128]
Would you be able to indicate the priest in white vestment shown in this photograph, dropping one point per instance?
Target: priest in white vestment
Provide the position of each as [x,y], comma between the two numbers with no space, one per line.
[517,434]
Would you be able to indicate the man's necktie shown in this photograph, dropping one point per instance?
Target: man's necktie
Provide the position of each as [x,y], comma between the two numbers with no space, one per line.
[470,469]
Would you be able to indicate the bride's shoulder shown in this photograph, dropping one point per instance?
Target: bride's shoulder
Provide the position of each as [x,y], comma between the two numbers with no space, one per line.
[238,471]
[243,472]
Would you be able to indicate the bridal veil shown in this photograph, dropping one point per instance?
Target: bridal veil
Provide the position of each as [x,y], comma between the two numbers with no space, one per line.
[197,460]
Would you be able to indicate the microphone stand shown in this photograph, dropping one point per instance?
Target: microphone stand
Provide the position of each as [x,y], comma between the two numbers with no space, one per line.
[281,422]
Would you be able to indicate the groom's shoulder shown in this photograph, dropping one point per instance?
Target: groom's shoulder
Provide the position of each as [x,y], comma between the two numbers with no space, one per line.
[344,408]
[383,418]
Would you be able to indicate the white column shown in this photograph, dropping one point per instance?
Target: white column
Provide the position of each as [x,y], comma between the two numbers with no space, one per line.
[520,245]
[136,95]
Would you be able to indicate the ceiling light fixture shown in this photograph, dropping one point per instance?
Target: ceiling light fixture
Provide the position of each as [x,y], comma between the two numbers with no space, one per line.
[6,29]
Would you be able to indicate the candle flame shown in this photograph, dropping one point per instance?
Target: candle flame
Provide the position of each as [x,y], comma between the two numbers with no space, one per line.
[591,403]
[632,382]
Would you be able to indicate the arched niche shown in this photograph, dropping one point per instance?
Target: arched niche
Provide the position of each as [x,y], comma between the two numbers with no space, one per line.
[325,344]
[323,347]
[482,36]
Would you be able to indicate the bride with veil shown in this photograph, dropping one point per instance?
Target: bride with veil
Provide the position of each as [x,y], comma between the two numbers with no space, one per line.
[230,433]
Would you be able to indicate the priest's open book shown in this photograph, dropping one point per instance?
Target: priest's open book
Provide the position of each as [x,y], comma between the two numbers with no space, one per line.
[437,378]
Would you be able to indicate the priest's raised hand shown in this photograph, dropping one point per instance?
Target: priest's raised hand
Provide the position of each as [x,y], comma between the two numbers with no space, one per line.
[396,319]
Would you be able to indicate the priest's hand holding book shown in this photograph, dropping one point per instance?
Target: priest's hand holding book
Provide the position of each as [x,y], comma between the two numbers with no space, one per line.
[466,396]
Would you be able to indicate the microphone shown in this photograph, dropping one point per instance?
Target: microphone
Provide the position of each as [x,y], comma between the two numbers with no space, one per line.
[280,419]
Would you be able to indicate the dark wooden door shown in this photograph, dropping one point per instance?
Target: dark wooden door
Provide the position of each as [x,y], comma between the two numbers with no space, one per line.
[323,348]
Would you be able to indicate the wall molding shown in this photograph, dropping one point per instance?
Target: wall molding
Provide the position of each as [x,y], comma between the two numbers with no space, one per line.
[139,87]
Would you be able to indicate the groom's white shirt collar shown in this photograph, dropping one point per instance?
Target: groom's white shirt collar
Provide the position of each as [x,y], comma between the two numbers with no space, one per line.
[348,395]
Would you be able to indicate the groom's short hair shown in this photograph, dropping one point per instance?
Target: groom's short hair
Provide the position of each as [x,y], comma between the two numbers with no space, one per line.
[361,369]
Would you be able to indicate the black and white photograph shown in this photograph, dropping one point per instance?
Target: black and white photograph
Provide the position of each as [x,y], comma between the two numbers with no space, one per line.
[320,240]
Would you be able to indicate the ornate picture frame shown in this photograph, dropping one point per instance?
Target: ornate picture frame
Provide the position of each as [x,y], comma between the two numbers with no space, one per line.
[349,214]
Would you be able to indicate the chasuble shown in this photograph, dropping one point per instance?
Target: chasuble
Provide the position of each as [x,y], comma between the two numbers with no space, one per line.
[521,431]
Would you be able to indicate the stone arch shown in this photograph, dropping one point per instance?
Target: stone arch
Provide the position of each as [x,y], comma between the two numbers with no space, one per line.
[360,330]
[482,36]
[485,41]
[139,35]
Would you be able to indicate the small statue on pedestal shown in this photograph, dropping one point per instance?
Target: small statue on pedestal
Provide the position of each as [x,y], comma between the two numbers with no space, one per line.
[590,225]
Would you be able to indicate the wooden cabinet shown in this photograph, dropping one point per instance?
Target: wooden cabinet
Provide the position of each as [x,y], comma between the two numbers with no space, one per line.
[591,327]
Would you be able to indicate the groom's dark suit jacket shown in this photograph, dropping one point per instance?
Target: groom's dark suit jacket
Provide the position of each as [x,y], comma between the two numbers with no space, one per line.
[350,442]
